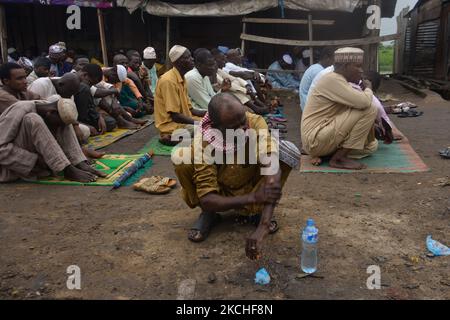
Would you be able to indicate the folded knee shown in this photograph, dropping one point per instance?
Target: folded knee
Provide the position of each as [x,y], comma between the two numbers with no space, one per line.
[33,119]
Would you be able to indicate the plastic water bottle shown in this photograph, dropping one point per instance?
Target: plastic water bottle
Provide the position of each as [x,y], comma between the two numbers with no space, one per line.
[309,252]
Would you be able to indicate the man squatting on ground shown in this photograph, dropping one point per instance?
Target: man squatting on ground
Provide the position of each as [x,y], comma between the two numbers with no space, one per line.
[218,187]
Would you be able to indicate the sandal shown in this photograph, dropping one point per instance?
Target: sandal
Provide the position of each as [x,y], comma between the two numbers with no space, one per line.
[410,114]
[277,119]
[165,181]
[277,125]
[445,153]
[204,225]
[151,186]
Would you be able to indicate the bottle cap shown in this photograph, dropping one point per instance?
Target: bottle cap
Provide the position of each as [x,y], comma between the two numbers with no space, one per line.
[310,223]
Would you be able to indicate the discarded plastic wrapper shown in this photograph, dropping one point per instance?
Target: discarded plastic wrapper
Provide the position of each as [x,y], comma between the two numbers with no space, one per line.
[262,277]
[437,248]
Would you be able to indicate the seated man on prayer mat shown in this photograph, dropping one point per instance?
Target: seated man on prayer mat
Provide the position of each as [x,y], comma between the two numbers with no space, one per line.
[173,108]
[326,60]
[14,88]
[37,137]
[240,88]
[41,68]
[131,96]
[283,80]
[338,120]
[198,81]
[253,188]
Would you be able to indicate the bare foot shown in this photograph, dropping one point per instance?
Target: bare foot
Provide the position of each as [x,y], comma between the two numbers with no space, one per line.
[139,122]
[86,167]
[92,154]
[74,174]
[317,161]
[124,124]
[346,163]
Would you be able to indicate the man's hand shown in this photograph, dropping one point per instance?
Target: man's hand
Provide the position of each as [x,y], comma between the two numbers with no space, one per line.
[94,131]
[101,125]
[226,85]
[78,133]
[366,84]
[140,106]
[269,191]
[253,244]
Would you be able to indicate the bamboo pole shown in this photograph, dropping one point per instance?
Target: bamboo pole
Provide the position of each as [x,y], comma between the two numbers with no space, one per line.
[3,34]
[101,27]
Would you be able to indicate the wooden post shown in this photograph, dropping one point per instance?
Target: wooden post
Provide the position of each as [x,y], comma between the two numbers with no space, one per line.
[3,34]
[310,31]
[167,42]
[244,30]
[101,27]
[399,53]
[371,51]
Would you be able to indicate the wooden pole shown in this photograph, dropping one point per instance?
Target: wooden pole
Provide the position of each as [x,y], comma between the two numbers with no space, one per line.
[3,34]
[244,30]
[310,31]
[167,42]
[402,24]
[101,27]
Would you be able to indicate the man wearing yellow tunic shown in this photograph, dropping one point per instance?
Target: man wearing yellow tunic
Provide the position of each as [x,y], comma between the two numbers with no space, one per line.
[338,120]
[234,185]
[173,108]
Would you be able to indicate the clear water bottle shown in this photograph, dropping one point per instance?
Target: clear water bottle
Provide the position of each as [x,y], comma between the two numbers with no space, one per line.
[309,253]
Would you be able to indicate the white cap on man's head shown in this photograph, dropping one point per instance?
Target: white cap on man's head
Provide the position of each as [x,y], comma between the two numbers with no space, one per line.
[11,50]
[121,72]
[288,59]
[149,53]
[176,52]
[349,55]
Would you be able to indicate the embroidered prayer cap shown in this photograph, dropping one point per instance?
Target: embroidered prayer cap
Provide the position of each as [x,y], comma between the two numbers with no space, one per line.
[306,54]
[149,53]
[176,52]
[121,72]
[349,55]
[67,111]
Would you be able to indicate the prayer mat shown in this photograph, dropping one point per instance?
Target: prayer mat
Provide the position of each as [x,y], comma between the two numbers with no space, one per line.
[99,142]
[398,157]
[112,164]
[157,147]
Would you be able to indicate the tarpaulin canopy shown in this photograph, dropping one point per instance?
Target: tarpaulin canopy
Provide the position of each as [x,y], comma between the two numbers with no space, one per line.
[234,7]
[95,3]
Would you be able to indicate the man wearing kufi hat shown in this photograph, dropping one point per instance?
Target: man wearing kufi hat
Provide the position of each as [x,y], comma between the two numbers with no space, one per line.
[283,80]
[148,63]
[173,108]
[37,138]
[338,120]
[57,54]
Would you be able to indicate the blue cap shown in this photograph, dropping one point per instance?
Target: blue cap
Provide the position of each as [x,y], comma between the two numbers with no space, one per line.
[310,223]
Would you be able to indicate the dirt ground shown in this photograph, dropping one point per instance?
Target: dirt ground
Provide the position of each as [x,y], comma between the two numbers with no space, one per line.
[130,245]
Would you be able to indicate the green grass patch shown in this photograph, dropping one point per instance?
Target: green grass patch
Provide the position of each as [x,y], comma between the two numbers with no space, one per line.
[386,59]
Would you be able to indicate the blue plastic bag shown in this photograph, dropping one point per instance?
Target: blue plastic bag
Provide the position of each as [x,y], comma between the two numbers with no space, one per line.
[262,277]
[437,248]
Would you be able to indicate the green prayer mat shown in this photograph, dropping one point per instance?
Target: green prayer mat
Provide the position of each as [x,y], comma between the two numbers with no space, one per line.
[104,140]
[398,157]
[157,147]
[112,164]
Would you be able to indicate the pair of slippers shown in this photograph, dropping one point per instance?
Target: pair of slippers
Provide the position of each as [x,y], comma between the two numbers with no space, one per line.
[410,114]
[156,185]
[445,153]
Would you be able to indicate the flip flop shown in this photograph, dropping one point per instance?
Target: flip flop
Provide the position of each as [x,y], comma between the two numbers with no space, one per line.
[445,153]
[278,119]
[151,186]
[165,181]
[204,225]
[410,114]
[277,125]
